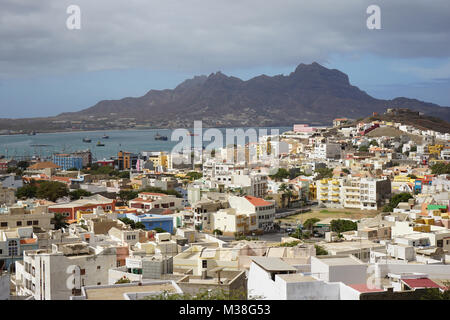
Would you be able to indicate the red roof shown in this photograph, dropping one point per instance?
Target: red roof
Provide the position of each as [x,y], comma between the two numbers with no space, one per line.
[141,200]
[258,202]
[153,194]
[420,283]
[364,288]
[28,241]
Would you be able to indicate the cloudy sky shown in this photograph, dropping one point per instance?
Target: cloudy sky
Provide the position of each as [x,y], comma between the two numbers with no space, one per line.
[125,48]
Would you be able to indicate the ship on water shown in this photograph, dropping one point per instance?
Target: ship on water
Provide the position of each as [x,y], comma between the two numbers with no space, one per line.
[87,140]
[105,136]
[99,144]
[160,137]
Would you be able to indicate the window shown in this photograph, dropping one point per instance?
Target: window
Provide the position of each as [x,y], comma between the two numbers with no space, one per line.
[99,283]
[4,224]
[98,267]
[82,272]
[12,248]
[18,223]
[35,222]
[204,264]
[29,223]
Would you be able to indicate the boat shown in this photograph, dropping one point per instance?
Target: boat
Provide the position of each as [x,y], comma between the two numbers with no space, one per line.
[105,136]
[99,144]
[32,133]
[160,137]
[87,140]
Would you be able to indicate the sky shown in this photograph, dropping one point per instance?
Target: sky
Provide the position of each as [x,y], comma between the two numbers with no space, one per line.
[126,48]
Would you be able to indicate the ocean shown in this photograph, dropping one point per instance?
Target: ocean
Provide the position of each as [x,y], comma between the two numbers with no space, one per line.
[43,145]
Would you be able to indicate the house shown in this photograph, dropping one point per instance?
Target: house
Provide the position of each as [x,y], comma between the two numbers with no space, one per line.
[13,242]
[69,209]
[150,200]
[264,210]
[60,272]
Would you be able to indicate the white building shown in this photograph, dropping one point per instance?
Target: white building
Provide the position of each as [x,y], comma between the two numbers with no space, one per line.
[59,273]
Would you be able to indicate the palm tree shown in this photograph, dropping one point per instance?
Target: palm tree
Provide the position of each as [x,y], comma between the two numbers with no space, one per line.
[287,192]
[59,221]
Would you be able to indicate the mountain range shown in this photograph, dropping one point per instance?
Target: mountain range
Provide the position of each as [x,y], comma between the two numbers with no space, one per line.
[311,94]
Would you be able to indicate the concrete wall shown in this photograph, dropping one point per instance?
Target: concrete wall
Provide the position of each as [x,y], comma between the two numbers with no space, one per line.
[4,287]
[433,270]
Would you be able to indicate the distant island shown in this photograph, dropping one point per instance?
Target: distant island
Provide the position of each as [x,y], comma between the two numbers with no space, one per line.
[311,94]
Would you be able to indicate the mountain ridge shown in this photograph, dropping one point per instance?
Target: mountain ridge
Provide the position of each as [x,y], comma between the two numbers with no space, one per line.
[310,94]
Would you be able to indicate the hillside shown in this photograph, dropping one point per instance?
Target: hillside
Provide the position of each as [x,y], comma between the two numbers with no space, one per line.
[311,94]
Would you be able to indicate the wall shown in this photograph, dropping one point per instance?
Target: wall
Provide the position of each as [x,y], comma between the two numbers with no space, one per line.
[4,287]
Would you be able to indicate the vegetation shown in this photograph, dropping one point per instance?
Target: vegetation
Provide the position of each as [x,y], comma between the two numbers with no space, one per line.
[59,221]
[50,190]
[286,192]
[395,200]
[363,149]
[240,236]
[159,230]
[440,168]
[107,170]
[127,195]
[309,224]
[132,224]
[323,173]
[77,194]
[280,175]
[203,294]
[412,176]
[320,251]
[374,143]
[123,280]
[218,232]
[436,294]
[194,175]
[289,244]
[345,170]
[341,225]
[159,190]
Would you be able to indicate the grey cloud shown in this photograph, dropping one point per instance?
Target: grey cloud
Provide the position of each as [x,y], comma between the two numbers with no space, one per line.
[205,35]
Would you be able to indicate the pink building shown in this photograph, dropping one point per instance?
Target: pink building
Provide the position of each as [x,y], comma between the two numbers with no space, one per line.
[303,128]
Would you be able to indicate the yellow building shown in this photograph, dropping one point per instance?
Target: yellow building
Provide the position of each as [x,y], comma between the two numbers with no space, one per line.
[435,149]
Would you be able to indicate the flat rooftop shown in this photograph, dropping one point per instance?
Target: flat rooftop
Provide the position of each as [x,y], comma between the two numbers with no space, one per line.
[296,277]
[117,292]
[340,260]
[273,264]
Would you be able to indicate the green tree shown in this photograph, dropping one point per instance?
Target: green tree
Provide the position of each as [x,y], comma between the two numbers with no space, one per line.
[309,223]
[323,173]
[363,149]
[345,170]
[280,175]
[374,143]
[51,190]
[59,221]
[77,194]
[395,200]
[194,175]
[127,195]
[129,222]
[320,251]
[341,225]
[440,168]
[159,230]
[218,232]
[286,192]
[140,225]
[27,191]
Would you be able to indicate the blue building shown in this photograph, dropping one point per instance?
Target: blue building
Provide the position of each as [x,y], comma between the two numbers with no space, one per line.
[66,161]
[151,221]
[13,243]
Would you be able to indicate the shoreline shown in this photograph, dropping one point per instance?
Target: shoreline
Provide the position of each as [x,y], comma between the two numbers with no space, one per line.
[135,129]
